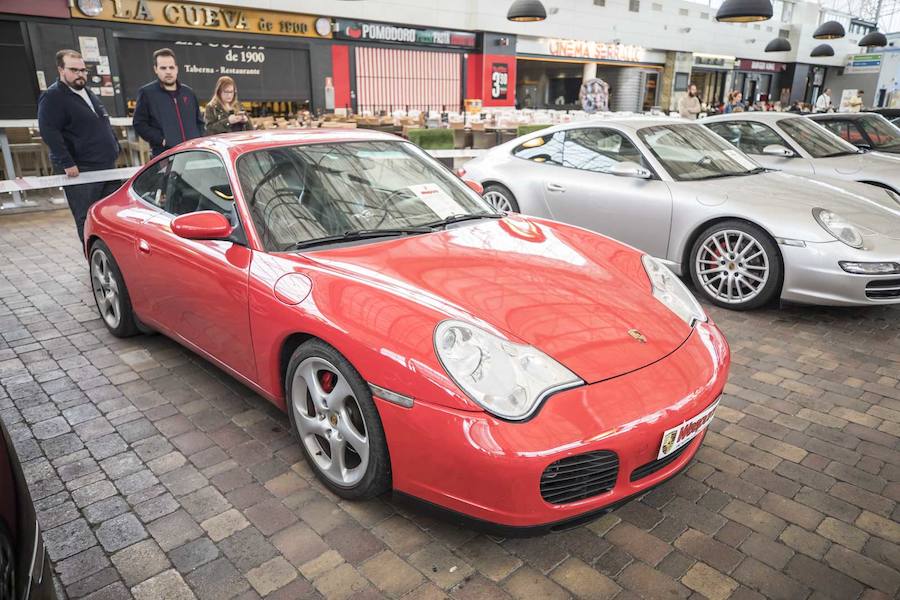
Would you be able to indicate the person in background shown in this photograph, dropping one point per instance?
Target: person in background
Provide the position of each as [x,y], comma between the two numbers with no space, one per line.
[689,105]
[734,102]
[167,112]
[75,126]
[223,112]
[856,102]
[823,102]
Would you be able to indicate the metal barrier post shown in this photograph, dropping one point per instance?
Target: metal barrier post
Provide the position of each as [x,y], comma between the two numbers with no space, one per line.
[8,165]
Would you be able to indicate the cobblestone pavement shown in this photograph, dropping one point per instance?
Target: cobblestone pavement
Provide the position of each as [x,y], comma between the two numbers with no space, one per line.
[158,476]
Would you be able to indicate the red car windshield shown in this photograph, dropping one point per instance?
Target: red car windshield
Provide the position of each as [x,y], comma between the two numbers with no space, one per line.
[298,194]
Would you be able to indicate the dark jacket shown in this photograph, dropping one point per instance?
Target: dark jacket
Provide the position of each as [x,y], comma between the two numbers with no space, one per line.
[217,120]
[75,134]
[159,116]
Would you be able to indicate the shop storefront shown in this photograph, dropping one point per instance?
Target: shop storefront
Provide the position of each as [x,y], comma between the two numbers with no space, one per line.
[550,73]
[279,60]
[712,74]
[760,81]
[380,67]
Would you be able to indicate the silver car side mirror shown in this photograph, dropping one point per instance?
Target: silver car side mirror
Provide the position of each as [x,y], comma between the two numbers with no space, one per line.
[630,169]
[778,150]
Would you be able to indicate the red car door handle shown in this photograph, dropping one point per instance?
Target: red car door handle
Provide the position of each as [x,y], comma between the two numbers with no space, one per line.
[144,246]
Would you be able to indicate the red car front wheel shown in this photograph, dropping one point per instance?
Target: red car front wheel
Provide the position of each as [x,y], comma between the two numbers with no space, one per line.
[335,419]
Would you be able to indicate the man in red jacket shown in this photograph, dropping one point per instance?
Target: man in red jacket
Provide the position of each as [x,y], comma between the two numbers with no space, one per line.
[167,112]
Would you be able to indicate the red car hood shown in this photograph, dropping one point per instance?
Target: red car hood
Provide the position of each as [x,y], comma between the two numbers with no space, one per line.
[571,293]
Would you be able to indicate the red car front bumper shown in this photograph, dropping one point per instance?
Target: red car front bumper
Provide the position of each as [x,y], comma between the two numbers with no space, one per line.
[489,470]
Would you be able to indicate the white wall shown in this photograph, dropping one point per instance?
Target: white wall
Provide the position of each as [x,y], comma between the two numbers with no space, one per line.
[665,29]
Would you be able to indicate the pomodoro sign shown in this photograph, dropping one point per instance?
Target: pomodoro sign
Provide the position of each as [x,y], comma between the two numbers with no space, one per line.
[203,16]
[595,50]
[381,32]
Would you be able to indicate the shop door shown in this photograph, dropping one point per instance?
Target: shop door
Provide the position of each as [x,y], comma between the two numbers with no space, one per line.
[648,100]
[583,192]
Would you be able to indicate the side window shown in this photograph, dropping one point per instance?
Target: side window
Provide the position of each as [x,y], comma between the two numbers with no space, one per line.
[198,181]
[748,136]
[596,149]
[838,128]
[544,149]
[151,184]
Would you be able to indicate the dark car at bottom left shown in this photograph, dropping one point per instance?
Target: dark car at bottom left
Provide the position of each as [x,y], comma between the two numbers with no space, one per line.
[24,565]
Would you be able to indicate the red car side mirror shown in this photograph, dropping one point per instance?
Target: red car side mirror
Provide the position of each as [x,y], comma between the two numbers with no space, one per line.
[476,187]
[203,225]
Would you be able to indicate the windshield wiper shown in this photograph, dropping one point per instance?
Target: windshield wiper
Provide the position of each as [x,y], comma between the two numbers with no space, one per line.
[358,234]
[463,217]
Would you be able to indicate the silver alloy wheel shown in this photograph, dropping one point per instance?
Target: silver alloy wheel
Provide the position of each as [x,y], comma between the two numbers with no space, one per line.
[498,200]
[732,266]
[329,421]
[106,290]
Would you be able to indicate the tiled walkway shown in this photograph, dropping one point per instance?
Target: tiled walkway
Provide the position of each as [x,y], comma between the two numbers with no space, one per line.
[158,476]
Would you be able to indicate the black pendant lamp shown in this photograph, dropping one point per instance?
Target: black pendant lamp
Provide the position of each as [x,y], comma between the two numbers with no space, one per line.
[874,39]
[829,30]
[744,11]
[524,11]
[779,44]
[822,50]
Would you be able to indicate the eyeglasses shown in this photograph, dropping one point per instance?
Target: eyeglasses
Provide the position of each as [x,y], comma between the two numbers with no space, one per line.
[74,70]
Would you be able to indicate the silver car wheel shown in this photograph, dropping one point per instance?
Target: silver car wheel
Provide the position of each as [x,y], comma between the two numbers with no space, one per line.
[106,289]
[498,200]
[329,421]
[732,266]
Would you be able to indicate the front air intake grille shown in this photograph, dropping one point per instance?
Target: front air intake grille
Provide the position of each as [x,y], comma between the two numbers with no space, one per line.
[579,477]
[656,465]
[883,289]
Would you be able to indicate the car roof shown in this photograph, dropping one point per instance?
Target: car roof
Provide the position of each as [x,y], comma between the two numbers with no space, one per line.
[628,123]
[239,143]
[768,116]
[839,116]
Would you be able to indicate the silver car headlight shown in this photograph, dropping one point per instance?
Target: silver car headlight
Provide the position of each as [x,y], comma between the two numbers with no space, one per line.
[507,379]
[669,290]
[839,227]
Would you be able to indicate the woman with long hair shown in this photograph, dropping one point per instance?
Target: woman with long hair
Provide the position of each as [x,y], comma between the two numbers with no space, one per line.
[223,112]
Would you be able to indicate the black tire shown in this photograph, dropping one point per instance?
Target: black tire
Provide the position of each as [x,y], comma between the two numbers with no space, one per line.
[376,479]
[126,325]
[771,259]
[7,561]
[500,190]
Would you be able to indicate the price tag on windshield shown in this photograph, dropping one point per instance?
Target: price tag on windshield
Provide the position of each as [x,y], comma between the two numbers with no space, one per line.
[436,199]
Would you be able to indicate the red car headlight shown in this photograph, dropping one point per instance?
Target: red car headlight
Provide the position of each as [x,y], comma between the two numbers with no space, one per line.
[507,379]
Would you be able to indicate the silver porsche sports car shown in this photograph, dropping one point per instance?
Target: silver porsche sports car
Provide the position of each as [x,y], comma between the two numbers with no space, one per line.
[796,144]
[744,234]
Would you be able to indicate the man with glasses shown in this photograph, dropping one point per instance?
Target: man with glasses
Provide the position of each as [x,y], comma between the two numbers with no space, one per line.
[75,126]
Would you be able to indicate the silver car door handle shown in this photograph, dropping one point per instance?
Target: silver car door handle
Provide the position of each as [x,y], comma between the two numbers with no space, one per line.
[555,187]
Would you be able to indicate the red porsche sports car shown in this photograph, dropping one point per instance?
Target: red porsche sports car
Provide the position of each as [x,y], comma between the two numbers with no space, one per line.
[519,374]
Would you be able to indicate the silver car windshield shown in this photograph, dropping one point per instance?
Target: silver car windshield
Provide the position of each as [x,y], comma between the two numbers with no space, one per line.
[312,194]
[815,139]
[691,153]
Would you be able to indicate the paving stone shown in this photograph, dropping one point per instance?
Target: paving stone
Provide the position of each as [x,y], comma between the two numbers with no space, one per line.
[391,574]
[820,577]
[584,582]
[709,550]
[811,544]
[247,549]
[120,532]
[225,524]
[646,581]
[168,585]
[217,579]
[188,557]
[154,508]
[354,543]
[342,583]
[270,516]
[527,583]
[140,561]
[174,529]
[272,575]
[68,539]
[707,581]
[864,569]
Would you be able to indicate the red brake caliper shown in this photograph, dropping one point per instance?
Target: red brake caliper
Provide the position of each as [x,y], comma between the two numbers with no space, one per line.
[327,379]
